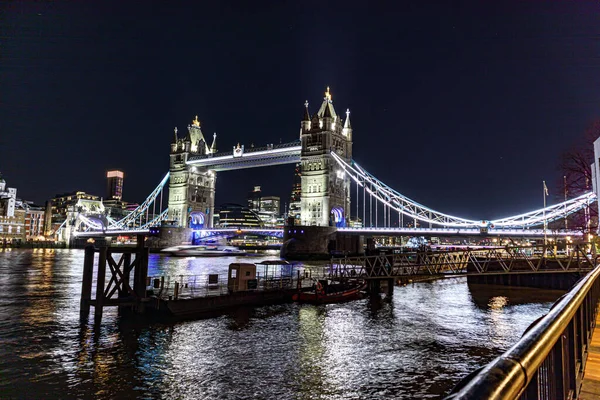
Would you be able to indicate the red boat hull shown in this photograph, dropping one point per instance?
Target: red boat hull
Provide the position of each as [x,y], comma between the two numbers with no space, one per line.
[315,297]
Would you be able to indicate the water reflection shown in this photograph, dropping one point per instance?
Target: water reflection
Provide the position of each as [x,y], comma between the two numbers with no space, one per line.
[416,344]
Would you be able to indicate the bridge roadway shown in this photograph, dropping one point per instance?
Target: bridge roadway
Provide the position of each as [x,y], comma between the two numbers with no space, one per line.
[533,233]
[273,154]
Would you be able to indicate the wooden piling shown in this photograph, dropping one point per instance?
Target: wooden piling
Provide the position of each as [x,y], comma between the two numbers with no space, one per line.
[86,284]
[100,283]
[123,292]
[390,287]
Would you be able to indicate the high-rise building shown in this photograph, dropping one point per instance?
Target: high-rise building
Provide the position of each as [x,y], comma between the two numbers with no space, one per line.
[237,216]
[296,196]
[114,185]
[266,207]
[254,199]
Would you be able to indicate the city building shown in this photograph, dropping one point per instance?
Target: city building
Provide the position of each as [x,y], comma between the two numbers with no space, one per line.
[266,207]
[114,185]
[63,205]
[115,207]
[34,221]
[254,199]
[237,216]
[296,196]
[19,220]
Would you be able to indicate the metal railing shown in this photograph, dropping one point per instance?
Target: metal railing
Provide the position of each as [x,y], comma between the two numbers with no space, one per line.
[194,286]
[549,360]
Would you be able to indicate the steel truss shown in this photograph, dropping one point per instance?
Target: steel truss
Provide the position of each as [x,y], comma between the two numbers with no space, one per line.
[482,261]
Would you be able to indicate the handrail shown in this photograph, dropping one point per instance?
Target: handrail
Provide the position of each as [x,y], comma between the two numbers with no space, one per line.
[508,376]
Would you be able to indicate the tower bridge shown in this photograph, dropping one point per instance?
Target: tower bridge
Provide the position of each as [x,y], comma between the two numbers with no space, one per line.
[330,177]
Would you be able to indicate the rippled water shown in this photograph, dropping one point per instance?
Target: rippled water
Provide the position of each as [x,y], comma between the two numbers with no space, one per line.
[418,345]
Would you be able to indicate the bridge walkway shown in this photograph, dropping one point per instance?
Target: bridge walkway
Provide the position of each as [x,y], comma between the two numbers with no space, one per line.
[590,389]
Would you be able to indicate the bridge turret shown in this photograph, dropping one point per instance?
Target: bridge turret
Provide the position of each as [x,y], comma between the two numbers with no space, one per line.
[213,147]
[315,123]
[325,198]
[305,124]
[347,130]
[174,143]
[187,143]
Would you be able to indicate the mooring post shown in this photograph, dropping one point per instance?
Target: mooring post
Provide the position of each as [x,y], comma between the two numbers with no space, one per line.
[123,292]
[140,274]
[86,284]
[100,283]
[374,287]
[390,287]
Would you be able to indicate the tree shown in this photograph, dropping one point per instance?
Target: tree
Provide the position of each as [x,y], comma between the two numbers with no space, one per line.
[577,177]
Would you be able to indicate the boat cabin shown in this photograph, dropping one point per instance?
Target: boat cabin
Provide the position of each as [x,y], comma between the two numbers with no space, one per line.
[242,276]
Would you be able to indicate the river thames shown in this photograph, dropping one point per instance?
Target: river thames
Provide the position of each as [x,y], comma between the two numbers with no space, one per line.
[419,344]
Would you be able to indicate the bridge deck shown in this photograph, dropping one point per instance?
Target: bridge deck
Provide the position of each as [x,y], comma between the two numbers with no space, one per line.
[590,388]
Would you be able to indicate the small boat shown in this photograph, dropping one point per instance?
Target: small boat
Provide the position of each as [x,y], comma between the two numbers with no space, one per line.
[203,251]
[324,292]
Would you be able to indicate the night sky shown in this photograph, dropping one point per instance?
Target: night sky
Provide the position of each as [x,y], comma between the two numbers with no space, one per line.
[464,107]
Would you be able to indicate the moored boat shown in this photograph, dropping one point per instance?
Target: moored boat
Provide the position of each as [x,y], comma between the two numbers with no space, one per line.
[203,251]
[325,293]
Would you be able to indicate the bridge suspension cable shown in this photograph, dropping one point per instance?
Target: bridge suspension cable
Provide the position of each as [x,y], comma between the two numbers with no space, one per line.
[390,199]
[145,214]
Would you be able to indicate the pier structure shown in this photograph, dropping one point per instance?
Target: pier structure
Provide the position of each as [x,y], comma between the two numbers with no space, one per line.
[510,266]
[123,264]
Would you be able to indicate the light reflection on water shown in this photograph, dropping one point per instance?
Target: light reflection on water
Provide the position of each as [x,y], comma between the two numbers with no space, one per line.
[418,345]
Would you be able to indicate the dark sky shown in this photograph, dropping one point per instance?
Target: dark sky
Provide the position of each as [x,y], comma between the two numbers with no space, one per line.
[463,106]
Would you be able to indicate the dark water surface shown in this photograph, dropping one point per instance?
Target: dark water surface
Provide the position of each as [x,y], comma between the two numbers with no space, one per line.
[418,345]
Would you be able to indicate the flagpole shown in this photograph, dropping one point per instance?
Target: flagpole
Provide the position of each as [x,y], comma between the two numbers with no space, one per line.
[545,190]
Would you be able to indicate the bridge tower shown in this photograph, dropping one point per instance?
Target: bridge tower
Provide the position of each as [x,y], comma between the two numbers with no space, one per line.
[191,188]
[325,198]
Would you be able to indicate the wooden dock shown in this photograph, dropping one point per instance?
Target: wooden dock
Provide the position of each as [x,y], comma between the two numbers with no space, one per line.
[590,389]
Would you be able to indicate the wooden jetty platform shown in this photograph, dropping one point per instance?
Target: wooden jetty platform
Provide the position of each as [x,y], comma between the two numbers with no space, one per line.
[122,281]
[590,389]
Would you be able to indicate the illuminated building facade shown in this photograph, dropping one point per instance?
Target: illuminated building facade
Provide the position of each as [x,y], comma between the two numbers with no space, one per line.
[254,199]
[296,196]
[191,189]
[266,207]
[114,185]
[237,216]
[62,205]
[19,220]
[325,198]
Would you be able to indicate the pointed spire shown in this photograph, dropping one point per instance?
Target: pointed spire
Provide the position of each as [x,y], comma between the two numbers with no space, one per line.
[327,112]
[175,135]
[306,114]
[327,95]
[347,121]
[213,147]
